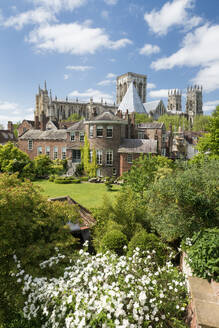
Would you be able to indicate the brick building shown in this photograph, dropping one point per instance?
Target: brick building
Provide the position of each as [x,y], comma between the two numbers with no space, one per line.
[7,135]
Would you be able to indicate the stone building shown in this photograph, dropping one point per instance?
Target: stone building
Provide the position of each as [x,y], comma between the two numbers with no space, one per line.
[123,82]
[174,100]
[194,102]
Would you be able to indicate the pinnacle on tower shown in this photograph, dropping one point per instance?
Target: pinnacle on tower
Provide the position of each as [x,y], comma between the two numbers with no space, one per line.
[45,86]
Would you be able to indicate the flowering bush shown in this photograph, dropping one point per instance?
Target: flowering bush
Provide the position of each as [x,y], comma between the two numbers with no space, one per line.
[106,290]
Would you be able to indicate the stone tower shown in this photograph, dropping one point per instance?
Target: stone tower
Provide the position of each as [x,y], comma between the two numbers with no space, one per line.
[123,82]
[42,102]
[174,100]
[194,102]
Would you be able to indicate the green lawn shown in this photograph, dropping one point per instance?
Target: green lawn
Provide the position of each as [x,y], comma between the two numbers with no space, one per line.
[90,195]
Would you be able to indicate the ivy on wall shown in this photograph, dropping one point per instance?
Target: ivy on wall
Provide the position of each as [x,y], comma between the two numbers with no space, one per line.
[90,164]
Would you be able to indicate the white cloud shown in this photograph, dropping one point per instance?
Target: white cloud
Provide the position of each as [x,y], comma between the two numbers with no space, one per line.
[198,49]
[13,111]
[97,95]
[111,2]
[110,75]
[106,82]
[173,13]
[151,86]
[162,93]
[66,76]
[36,16]
[79,68]
[210,105]
[75,38]
[149,49]
[59,5]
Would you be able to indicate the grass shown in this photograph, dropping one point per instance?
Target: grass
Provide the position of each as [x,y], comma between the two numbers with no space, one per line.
[90,195]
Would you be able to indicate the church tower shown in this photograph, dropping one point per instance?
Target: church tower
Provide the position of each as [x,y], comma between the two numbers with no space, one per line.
[194,102]
[174,100]
[123,82]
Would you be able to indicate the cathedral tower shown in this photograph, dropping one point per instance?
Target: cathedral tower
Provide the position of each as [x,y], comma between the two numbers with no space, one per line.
[124,81]
[194,102]
[174,100]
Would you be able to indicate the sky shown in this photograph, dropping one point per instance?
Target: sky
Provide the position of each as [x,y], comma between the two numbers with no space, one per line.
[80,46]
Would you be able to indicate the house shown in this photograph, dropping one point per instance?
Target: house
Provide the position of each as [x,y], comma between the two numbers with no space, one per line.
[7,135]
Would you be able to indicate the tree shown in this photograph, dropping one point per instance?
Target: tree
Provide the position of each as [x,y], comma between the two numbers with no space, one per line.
[42,166]
[142,118]
[13,159]
[175,121]
[201,123]
[74,118]
[209,143]
[31,227]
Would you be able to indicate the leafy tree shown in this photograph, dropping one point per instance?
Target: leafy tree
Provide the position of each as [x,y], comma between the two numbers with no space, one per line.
[74,118]
[185,202]
[209,143]
[201,123]
[42,166]
[13,159]
[15,128]
[31,227]
[175,120]
[142,118]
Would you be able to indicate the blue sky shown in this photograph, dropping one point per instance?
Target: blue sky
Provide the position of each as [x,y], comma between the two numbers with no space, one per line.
[80,46]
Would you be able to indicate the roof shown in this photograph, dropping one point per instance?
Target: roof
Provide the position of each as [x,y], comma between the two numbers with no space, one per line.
[138,146]
[154,125]
[77,126]
[107,116]
[6,136]
[131,101]
[85,214]
[45,135]
[151,106]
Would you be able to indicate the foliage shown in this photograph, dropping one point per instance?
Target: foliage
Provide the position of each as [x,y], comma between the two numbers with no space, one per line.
[175,121]
[66,180]
[32,227]
[74,118]
[113,240]
[203,253]
[15,128]
[42,166]
[90,167]
[210,141]
[108,291]
[145,241]
[180,204]
[142,118]
[201,123]
[14,160]
[79,169]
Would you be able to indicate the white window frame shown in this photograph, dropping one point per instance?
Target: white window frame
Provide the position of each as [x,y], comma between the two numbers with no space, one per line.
[55,152]
[63,152]
[99,154]
[99,127]
[109,128]
[81,134]
[39,150]
[109,157]
[130,158]
[30,144]
[90,155]
[140,134]
[72,135]
[91,131]
[47,151]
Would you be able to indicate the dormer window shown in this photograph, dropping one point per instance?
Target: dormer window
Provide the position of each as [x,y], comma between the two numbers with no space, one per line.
[99,131]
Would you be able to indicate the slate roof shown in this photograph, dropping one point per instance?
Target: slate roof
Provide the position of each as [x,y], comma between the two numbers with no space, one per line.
[45,135]
[131,101]
[77,126]
[151,106]
[154,125]
[138,146]
[107,116]
[6,136]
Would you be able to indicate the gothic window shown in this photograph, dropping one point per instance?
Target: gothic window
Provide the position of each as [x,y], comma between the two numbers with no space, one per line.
[109,131]
[109,157]
[55,152]
[99,157]
[99,131]
[30,144]
[81,136]
[63,152]
[48,151]
[129,158]
[39,150]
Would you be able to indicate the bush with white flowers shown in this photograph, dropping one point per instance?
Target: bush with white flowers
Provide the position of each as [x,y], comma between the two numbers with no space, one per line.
[107,290]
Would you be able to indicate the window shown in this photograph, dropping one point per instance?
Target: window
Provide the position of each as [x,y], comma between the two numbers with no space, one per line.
[109,157]
[114,171]
[81,136]
[163,138]
[99,131]
[99,157]
[55,152]
[90,155]
[140,135]
[163,151]
[30,144]
[63,152]
[76,156]
[91,131]
[47,151]
[72,136]
[109,131]
[39,150]
[130,158]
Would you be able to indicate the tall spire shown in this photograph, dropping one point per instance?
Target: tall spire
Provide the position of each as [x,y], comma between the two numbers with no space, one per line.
[45,87]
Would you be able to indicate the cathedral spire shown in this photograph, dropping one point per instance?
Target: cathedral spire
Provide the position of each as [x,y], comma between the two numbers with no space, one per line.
[45,86]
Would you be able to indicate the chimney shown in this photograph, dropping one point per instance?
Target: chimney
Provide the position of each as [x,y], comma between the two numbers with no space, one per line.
[10,126]
[37,123]
[43,121]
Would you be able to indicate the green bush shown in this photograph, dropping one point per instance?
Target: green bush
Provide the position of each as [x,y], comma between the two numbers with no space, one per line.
[203,254]
[113,240]
[52,178]
[148,242]
[66,180]
[84,178]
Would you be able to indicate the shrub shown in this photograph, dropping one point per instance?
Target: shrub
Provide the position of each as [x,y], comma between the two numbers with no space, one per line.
[66,180]
[114,240]
[148,242]
[84,178]
[52,178]
[203,253]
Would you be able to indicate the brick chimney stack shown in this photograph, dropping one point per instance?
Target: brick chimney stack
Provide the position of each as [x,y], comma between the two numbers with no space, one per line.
[10,126]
